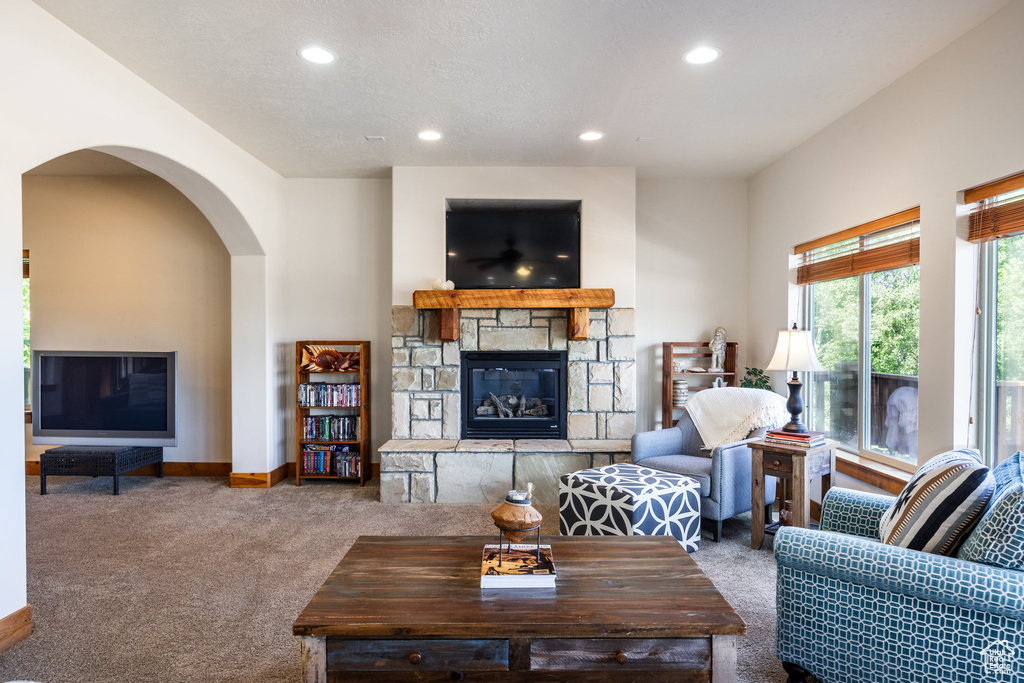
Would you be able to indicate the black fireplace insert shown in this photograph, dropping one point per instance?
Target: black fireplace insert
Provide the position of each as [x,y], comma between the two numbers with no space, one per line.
[513,394]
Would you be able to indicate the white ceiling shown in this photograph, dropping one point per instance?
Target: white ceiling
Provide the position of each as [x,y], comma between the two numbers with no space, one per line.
[512,83]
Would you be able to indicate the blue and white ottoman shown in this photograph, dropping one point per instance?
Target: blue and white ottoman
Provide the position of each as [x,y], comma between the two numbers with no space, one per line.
[627,500]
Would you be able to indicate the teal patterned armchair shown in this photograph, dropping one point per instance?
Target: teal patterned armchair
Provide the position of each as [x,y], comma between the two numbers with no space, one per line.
[853,609]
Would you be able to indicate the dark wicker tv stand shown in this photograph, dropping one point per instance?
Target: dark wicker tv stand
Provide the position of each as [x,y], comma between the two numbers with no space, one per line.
[98,461]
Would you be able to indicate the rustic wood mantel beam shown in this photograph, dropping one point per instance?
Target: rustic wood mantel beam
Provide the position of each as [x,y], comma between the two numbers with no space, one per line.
[577,301]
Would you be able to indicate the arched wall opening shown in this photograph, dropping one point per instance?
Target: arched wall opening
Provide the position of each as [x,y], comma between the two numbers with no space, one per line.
[121,261]
[238,431]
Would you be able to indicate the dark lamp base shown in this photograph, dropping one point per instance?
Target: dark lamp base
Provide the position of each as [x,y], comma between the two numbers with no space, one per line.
[795,406]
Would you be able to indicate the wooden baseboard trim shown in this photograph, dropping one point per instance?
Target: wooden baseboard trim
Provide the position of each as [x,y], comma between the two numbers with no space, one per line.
[15,627]
[171,469]
[238,480]
[258,480]
[279,474]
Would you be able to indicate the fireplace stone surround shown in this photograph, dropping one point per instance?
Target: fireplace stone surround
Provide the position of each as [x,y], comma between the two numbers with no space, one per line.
[426,462]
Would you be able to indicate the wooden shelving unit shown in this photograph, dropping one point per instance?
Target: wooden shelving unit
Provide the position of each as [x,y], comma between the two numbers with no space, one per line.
[693,354]
[358,378]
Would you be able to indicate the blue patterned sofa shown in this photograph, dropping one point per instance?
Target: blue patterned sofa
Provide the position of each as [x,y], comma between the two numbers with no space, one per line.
[851,609]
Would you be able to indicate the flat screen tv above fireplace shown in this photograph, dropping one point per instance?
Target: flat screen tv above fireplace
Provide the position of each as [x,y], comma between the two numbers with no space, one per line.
[513,249]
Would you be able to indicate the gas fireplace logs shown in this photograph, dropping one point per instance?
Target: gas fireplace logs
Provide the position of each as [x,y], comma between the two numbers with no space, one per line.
[512,406]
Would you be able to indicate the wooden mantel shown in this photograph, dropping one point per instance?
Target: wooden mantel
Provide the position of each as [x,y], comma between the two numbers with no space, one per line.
[577,301]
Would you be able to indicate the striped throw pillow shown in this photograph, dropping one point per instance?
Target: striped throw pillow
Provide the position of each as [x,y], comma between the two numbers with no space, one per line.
[940,505]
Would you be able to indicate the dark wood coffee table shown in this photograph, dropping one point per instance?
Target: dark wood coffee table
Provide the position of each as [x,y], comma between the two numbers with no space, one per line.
[625,608]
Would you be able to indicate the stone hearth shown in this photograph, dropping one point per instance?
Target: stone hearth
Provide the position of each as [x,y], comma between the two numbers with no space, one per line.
[426,462]
[483,470]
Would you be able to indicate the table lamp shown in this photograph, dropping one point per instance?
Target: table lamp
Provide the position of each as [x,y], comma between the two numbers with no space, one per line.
[794,353]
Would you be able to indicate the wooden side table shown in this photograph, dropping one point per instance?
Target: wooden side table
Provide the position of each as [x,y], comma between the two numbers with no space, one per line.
[800,465]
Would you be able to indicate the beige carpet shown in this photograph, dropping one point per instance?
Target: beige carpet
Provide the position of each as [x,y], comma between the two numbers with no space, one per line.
[184,579]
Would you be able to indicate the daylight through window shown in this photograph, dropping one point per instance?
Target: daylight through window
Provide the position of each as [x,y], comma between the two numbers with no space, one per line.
[862,294]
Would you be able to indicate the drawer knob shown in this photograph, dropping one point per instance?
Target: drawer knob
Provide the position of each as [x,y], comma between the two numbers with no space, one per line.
[621,657]
[415,658]
[776,463]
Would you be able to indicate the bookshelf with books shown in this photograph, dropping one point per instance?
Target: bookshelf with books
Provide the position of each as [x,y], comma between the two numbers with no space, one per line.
[332,410]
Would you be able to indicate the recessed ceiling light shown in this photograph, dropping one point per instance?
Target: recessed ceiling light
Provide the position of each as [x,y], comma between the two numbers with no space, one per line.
[702,55]
[591,135]
[429,135]
[317,55]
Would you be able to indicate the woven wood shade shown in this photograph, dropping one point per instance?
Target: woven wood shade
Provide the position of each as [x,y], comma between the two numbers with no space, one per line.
[891,242]
[994,189]
[997,218]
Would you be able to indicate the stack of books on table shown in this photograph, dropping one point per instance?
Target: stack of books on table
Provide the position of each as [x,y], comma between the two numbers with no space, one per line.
[795,439]
[519,568]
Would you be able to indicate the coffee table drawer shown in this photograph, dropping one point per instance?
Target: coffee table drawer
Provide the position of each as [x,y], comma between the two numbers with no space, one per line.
[416,655]
[620,653]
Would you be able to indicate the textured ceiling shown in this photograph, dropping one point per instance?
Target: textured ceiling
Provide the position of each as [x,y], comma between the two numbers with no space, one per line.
[512,83]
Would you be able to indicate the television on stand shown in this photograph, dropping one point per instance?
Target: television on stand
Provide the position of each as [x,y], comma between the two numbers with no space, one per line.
[104,398]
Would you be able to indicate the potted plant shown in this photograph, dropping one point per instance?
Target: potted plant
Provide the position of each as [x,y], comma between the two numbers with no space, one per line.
[755,378]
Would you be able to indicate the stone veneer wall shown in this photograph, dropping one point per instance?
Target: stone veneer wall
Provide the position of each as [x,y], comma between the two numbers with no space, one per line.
[425,402]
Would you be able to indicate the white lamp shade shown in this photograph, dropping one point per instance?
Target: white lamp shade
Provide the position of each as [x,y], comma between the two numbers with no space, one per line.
[794,352]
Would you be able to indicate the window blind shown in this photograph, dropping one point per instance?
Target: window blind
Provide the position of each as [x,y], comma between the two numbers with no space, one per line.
[1000,209]
[24,263]
[890,242]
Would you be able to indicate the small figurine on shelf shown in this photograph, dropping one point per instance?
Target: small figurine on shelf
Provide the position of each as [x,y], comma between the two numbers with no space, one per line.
[325,358]
[717,346]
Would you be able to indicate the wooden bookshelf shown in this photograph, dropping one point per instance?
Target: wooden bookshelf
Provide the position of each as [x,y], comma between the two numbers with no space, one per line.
[693,354]
[347,397]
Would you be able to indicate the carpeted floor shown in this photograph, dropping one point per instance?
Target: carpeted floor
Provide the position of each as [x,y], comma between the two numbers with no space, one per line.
[184,579]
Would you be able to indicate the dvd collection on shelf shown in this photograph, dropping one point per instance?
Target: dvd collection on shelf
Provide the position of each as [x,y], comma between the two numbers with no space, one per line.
[795,439]
[334,459]
[330,428]
[327,395]
[519,568]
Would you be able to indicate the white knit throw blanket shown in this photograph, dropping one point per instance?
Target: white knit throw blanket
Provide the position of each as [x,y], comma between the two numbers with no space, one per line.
[728,414]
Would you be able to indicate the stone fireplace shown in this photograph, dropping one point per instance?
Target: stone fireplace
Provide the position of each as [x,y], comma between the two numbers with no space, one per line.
[428,460]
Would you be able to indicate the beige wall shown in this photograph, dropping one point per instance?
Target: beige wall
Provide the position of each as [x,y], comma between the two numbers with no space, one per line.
[691,275]
[330,278]
[130,264]
[608,220]
[949,124]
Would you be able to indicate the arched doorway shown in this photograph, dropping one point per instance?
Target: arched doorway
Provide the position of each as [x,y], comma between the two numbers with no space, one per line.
[246,310]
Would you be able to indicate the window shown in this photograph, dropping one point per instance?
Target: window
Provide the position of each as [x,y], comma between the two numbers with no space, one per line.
[862,294]
[997,224]
[26,343]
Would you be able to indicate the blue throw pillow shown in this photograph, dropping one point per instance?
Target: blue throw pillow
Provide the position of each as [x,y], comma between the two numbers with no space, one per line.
[998,539]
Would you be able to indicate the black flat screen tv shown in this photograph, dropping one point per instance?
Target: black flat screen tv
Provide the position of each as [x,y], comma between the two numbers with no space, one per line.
[104,398]
[528,249]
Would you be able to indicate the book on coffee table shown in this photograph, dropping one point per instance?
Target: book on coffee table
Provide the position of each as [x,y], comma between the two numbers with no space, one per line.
[519,568]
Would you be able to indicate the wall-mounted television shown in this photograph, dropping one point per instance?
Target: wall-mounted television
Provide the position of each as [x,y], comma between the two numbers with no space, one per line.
[104,398]
[513,248]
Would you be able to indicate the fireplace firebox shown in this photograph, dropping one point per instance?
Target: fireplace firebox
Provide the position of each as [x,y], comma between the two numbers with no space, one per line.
[513,394]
